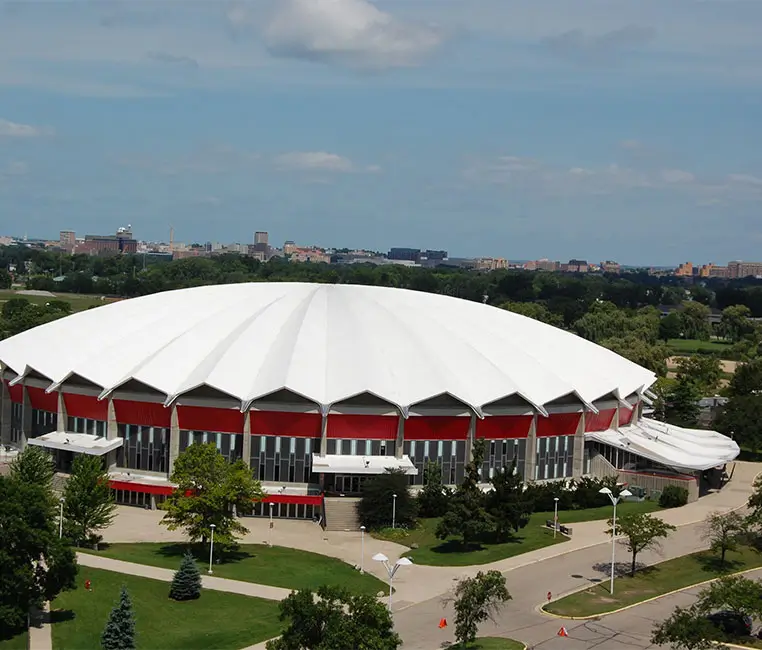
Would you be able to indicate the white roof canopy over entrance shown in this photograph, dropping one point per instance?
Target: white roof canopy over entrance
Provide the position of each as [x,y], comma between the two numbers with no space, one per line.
[80,443]
[339,464]
[676,447]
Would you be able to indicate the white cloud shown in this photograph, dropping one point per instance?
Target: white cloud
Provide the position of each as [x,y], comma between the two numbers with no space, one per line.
[677,176]
[354,33]
[745,179]
[579,45]
[314,161]
[10,129]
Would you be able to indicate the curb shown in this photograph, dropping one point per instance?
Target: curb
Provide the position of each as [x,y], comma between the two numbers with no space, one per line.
[642,602]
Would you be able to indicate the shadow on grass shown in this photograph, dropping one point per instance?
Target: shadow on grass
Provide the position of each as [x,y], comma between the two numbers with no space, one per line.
[458,546]
[714,564]
[623,569]
[201,553]
[61,616]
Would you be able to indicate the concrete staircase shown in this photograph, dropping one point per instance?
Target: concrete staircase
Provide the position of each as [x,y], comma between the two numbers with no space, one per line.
[340,513]
[59,482]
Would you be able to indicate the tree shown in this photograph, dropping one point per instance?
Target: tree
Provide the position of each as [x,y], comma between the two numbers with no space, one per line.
[641,531]
[209,491]
[434,498]
[695,317]
[724,531]
[467,516]
[333,618]
[682,408]
[740,417]
[507,502]
[686,629]
[88,504]
[34,466]
[649,355]
[671,326]
[36,564]
[476,600]
[186,583]
[703,372]
[119,633]
[378,503]
[734,593]
[736,322]
[534,310]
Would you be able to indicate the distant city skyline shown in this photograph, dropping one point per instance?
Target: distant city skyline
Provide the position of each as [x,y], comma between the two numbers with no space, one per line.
[535,128]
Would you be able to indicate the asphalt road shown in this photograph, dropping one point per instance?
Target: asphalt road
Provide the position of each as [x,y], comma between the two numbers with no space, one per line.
[521,619]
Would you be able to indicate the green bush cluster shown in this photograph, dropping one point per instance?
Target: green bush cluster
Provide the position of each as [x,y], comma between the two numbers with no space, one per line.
[673,496]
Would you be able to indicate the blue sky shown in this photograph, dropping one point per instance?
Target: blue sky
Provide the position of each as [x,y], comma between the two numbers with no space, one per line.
[602,129]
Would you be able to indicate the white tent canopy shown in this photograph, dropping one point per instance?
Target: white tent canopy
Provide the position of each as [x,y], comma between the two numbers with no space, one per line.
[669,445]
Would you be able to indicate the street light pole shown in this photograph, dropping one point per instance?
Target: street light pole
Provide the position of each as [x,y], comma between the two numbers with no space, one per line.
[394,510]
[391,570]
[270,531]
[60,519]
[362,546]
[555,516]
[211,549]
[614,501]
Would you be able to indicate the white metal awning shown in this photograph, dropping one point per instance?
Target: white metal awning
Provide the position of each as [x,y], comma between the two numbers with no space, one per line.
[673,446]
[340,464]
[79,443]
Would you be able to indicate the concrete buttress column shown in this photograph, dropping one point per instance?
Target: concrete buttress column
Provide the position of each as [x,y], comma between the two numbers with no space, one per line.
[399,446]
[26,429]
[470,438]
[530,461]
[323,433]
[62,415]
[246,449]
[174,439]
[578,459]
[112,430]
[615,421]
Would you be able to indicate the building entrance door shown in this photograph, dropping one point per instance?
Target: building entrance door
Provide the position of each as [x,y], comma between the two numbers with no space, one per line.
[349,484]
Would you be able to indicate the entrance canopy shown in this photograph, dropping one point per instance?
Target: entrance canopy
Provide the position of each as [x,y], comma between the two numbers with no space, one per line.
[79,443]
[340,464]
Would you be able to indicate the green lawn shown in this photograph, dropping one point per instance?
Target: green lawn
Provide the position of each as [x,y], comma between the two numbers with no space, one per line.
[78,301]
[18,642]
[654,581]
[427,549]
[490,643]
[276,566]
[687,346]
[216,620]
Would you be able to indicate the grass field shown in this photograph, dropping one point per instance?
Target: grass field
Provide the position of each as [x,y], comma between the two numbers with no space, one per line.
[654,581]
[687,346]
[18,642]
[276,566]
[427,549]
[216,620]
[490,643]
[77,301]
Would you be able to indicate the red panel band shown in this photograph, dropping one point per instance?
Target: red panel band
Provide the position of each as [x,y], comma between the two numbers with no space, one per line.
[298,499]
[558,424]
[362,427]
[437,427]
[41,400]
[599,421]
[203,418]
[501,427]
[625,415]
[85,406]
[16,392]
[149,414]
[283,423]
[141,487]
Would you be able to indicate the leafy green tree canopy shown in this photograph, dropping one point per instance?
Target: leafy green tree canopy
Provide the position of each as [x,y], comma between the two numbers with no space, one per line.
[641,531]
[477,600]
[378,503]
[88,504]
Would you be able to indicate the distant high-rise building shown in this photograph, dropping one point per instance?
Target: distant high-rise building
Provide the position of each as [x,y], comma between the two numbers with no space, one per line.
[67,240]
[289,247]
[260,238]
[405,254]
[685,270]
[740,269]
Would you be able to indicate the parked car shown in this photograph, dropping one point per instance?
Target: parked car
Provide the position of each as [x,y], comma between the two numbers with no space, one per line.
[733,624]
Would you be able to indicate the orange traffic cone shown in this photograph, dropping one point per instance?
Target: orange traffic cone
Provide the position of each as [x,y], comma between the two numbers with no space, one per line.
[442,623]
[563,632]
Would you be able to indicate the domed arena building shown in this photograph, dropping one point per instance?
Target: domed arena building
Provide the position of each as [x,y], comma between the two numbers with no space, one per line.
[318,386]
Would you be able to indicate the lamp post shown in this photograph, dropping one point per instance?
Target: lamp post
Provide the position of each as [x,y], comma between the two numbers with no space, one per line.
[362,546]
[614,501]
[555,516]
[270,531]
[391,570]
[60,518]
[394,510]
[211,549]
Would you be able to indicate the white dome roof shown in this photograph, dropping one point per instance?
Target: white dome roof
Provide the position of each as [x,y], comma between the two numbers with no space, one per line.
[325,342]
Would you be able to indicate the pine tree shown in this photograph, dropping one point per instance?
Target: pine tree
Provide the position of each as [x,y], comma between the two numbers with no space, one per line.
[119,633]
[186,584]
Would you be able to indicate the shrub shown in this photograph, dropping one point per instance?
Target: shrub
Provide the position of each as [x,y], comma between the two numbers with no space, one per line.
[186,583]
[375,506]
[587,491]
[543,495]
[673,496]
[434,498]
